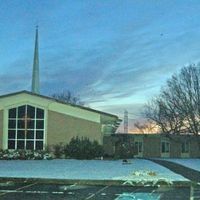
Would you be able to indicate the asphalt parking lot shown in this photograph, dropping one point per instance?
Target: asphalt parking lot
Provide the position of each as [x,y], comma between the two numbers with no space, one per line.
[10,190]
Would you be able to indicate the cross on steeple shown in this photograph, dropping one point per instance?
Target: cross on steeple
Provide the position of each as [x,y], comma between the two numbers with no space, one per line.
[26,120]
[35,75]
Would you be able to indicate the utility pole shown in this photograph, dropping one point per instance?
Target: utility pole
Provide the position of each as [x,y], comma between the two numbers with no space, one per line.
[125,121]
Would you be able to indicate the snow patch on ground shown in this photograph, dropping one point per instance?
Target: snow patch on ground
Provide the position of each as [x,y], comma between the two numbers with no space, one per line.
[136,171]
[146,177]
[191,163]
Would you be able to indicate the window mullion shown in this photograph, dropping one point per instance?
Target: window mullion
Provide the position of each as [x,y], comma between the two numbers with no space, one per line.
[16,128]
[35,121]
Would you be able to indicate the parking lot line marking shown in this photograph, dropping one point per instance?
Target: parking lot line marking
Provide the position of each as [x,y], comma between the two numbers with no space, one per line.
[68,187]
[7,183]
[9,191]
[30,192]
[38,192]
[92,195]
[57,192]
[26,186]
[18,189]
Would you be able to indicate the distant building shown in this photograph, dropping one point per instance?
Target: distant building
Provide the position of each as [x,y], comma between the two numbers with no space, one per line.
[154,145]
[29,120]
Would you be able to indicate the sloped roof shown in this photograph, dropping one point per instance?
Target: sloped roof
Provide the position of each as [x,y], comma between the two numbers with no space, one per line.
[55,100]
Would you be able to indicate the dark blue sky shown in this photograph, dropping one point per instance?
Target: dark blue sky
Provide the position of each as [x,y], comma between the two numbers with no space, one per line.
[115,54]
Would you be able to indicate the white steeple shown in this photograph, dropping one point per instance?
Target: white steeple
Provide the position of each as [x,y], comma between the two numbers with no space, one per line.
[35,75]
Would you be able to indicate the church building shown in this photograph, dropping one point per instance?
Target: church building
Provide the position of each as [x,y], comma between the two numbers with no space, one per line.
[29,120]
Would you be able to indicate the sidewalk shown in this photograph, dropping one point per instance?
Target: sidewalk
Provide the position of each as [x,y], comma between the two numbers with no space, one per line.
[139,172]
[186,172]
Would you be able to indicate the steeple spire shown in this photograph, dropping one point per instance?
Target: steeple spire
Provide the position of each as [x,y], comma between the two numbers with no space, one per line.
[35,75]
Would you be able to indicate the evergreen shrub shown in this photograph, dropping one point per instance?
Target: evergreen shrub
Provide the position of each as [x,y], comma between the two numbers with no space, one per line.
[124,151]
[58,150]
[83,148]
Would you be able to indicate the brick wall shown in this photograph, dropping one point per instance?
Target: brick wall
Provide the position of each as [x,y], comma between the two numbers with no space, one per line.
[1,129]
[61,128]
[151,146]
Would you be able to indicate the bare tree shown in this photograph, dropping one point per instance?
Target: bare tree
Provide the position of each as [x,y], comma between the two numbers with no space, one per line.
[146,127]
[67,97]
[177,108]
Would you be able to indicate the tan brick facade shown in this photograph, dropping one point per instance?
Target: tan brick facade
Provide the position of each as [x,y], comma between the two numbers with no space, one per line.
[61,128]
[152,144]
[1,128]
[175,149]
[194,148]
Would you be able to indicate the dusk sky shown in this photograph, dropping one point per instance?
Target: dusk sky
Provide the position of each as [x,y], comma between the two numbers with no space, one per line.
[114,54]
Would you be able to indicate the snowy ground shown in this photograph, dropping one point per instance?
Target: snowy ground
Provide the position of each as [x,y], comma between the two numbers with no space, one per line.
[191,163]
[139,170]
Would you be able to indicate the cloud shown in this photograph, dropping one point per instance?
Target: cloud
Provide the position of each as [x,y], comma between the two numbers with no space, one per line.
[16,76]
[114,55]
[116,69]
[12,83]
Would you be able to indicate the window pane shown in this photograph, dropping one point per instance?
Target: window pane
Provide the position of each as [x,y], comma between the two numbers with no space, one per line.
[30,124]
[30,135]
[21,134]
[39,134]
[31,112]
[12,113]
[39,145]
[29,145]
[185,147]
[40,113]
[136,147]
[40,124]
[21,124]
[20,144]
[136,144]
[167,147]
[28,118]
[11,144]
[163,147]
[12,124]
[21,111]
[140,147]
[11,134]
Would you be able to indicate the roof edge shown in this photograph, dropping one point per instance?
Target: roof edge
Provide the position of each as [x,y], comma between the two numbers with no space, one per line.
[58,101]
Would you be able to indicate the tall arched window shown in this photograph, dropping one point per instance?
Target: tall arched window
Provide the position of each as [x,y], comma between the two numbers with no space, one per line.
[26,128]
